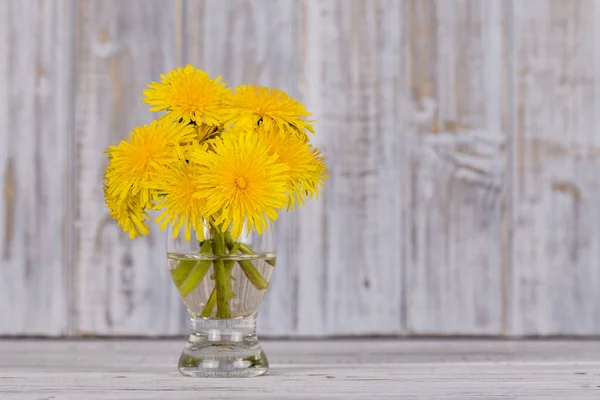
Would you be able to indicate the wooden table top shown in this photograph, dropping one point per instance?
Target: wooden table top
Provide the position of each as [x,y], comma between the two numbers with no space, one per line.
[336,369]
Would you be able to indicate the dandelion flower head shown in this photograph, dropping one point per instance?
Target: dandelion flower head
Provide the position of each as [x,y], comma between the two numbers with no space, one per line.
[188,94]
[242,183]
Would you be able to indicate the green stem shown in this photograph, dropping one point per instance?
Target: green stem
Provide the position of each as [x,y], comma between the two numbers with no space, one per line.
[229,264]
[189,273]
[249,270]
[221,279]
[210,304]
[253,275]
[245,249]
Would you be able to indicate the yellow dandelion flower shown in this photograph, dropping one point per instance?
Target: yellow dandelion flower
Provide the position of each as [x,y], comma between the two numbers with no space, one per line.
[188,94]
[134,160]
[175,183]
[243,185]
[128,213]
[307,172]
[259,105]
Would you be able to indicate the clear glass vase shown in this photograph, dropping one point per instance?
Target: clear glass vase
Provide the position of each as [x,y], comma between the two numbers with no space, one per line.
[222,281]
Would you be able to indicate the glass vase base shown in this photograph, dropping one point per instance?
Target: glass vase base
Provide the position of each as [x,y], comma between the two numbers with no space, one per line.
[223,348]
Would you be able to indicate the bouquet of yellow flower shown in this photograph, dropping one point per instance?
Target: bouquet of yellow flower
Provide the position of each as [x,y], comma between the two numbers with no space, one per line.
[218,160]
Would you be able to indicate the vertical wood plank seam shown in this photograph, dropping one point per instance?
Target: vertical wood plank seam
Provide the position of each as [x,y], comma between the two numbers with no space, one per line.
[326,280]
[507,263]
[404,191]
[408,181]
[311,15]
[180,31]
[596,123]
[71,205]
[184,32]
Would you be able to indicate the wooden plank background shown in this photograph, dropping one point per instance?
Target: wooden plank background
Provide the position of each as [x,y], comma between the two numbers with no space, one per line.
[462,137]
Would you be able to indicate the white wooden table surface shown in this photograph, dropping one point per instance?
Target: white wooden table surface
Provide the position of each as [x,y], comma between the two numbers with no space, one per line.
[341,369]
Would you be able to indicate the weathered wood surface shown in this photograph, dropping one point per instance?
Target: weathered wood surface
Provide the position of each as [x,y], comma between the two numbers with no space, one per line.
[456,248]
[36,165]
[379,369]
[556,192]
[462,139]
[361,98]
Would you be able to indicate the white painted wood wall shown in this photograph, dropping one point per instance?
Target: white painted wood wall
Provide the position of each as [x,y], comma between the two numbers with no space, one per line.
[463,139]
